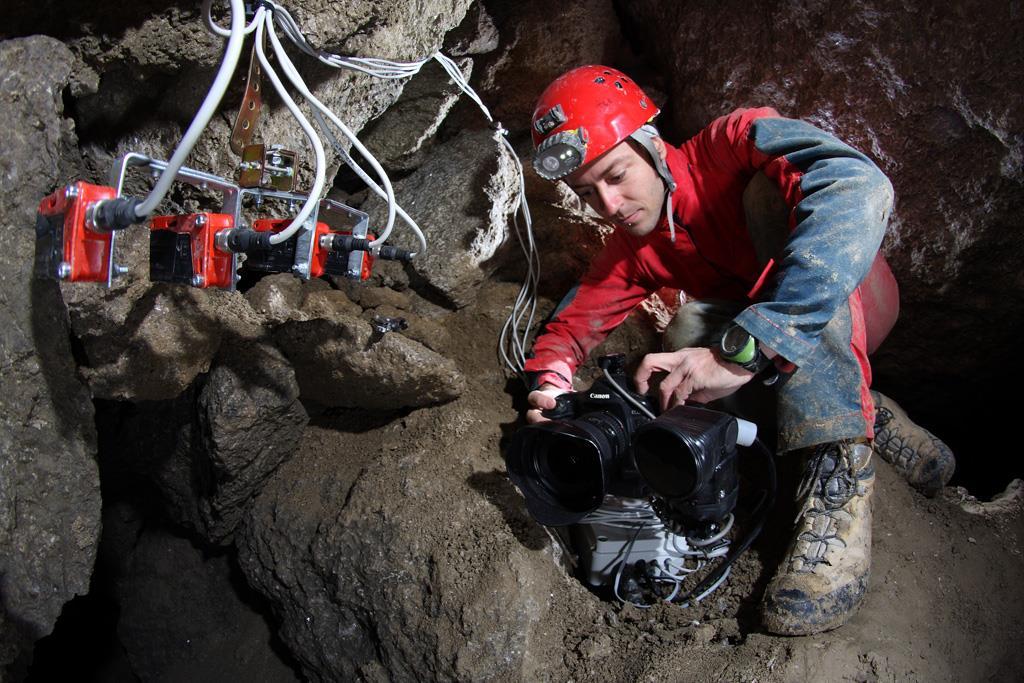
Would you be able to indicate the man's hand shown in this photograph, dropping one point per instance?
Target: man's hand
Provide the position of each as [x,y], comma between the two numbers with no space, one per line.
[542,398]
[695,374]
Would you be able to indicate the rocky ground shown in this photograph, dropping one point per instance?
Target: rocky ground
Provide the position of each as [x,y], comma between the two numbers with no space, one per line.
[263,485]
[394,547]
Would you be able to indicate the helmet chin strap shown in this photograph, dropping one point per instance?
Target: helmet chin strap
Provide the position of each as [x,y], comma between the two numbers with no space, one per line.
[645,136]
[668,215]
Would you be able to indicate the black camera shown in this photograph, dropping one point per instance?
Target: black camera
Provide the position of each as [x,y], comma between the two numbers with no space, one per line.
[565,467]
[607,441]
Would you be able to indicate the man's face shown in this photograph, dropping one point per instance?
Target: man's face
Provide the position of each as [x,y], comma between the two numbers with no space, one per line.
[622,186]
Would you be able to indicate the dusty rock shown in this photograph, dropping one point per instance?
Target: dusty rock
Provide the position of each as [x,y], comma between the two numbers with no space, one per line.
[476,35]
[401,136]
[49,484]
[250,419]
[343,361]
[426,331]
[209,450]
[169,336]
[372,297]
[1009,503]
[462,199]
[379,553]
[276,297]
[539,41]
[327,302]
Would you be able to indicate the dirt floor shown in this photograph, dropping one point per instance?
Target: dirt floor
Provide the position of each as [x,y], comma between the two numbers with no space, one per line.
[944,604]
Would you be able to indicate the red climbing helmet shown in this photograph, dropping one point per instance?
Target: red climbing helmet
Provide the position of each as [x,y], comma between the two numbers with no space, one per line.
[582,115]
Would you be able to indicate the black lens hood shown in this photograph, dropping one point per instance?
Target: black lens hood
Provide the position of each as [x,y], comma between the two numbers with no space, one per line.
[533,454]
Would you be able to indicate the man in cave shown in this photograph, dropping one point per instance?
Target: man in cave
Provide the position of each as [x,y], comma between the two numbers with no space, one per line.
[771,227]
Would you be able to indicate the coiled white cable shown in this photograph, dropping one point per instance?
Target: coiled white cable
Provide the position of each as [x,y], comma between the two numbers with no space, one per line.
[514,338]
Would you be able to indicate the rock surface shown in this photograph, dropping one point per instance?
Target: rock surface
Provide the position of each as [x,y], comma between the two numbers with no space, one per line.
[461,198]
[385,559]
[401,136]
[342,361]
[49,483]
[540,40]
[168,337]
[209,450]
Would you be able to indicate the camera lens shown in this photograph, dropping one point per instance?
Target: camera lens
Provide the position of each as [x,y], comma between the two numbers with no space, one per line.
[566,467]
[665,459]
[570,470]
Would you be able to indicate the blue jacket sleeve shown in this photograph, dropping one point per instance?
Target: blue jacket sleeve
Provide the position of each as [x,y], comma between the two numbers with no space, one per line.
[841,203]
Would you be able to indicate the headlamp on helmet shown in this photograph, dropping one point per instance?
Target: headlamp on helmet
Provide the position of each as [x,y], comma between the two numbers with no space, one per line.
[583,114]
[561,154]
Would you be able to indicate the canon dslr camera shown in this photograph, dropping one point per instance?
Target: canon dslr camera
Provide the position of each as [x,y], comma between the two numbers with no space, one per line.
[607,441]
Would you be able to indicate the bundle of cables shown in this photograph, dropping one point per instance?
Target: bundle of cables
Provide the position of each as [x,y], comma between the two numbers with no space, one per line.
[267,17]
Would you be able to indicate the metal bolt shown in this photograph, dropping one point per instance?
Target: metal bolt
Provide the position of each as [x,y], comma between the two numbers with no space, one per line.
[198,280]
[204,186]
[154,174]
[201,219]
[120,271]
[64,270]
[71,191]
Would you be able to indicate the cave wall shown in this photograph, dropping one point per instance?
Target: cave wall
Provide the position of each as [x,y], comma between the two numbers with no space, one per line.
[255,440]
[49,482]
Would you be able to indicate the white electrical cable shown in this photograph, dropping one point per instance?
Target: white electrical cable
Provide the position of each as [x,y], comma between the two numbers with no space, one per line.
[513,342]
[300,85]
[672,571]
[516,332]
[380,192]
[379,68]
[220,30]
[267,24]
[206,109]
[514,339]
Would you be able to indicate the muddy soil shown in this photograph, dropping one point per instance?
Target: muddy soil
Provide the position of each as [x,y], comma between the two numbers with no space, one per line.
[945,597]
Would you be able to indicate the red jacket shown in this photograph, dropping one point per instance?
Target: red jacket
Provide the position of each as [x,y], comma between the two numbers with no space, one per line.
[839,206]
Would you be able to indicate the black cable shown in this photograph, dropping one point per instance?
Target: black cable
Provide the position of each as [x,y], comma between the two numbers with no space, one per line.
[759,514]
[117,214]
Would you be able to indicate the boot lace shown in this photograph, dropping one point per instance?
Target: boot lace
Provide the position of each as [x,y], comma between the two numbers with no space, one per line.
[831,468]
[830,480]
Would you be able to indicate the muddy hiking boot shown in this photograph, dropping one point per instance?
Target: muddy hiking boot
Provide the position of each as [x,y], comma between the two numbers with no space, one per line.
[824,575]
[917,454]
